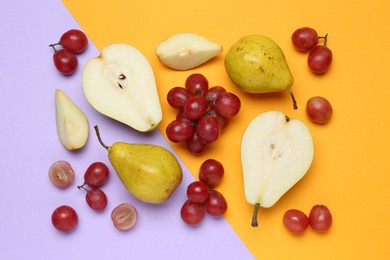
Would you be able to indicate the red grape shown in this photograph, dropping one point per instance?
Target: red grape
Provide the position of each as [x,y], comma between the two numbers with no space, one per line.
[177,97]
[74,41]
[197,191]
[192,213]
[195,144]
[223,121]
[96,199]
[64,218]
[295,221]
[319,59]
[319,110]
[213,92]
[208,129]
[197,84]
[320,218]
[65,61]
[124,216]
[96,174]
[211,172]
[61,174]
[179,130]
[195,107]
[216,204]
[227,104]
[304,39]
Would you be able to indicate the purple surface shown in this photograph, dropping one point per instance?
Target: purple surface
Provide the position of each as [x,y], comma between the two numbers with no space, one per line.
[30,145]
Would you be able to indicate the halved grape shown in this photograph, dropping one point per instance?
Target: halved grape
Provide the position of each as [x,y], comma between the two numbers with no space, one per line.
[61,174]
[124,216]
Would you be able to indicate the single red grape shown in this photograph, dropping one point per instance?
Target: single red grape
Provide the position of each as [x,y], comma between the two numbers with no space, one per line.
[207,129]
[179,130]
[211,172]
[65,61]
[319,110]
[197,191]
[195,144]
[61,174]
[197,84]
[295,221]
[195,107]
[227,104]
[96,199]
[319,59]
[96,174]
[216,204]
[192,213]
[124,216]
[304,39]
[213,92]
[74,41]
[64,218]
[320,218]
[177,97]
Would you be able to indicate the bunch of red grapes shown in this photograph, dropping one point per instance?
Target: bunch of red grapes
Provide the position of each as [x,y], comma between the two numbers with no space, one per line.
[306,39]
[73,42]
[202,197]
[203,112]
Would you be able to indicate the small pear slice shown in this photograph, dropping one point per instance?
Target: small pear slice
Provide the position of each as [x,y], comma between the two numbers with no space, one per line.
[276,152]
[185,51]
[120,84]
[72,124]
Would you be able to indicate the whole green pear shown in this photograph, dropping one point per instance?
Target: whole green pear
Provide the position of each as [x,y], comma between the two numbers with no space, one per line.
[150,173]
[256,64]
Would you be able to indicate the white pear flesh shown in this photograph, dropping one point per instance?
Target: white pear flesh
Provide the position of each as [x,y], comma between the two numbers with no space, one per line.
[276,152]
[120,84]
[72,124]
[185,51]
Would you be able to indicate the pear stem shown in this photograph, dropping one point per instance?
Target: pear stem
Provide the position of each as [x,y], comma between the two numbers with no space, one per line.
[99,138]
[254,217]
[293,98]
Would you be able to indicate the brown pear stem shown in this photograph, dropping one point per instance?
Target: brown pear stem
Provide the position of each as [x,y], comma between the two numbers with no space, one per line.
[254,217]
[293,98]
[99,138]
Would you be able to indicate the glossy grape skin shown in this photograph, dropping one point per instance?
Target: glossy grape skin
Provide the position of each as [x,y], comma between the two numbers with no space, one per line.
[212,94]
[179,130]
[197,191]
[195,144]
[177,97]
[96,174]
[197,84]
[227,104]
[304,39]
[207,129]
[61,174]
[65,61]
[96,199]
[320,218]
[319,59]
[216,204]
[64,218]
[74,41]
[211,172]
[223,121]
[192,213]
[319,110]
[124,216]
[295,221]
[195,107]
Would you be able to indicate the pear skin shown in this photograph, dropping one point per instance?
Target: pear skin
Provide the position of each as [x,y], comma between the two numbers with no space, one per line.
[150,173]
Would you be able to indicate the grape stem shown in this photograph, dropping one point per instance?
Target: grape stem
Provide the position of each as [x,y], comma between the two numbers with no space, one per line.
[325,38]
[293,98]
[254,217]
[99,138]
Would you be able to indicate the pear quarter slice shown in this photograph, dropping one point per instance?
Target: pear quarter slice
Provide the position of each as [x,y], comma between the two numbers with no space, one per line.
[276,152]
[120,84]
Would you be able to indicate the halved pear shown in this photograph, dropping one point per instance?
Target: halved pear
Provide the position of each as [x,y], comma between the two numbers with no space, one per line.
[72,124]
[276,152]
[185,51]
[120,84]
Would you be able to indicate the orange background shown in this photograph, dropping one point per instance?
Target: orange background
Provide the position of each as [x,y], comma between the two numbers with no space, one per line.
[350,172]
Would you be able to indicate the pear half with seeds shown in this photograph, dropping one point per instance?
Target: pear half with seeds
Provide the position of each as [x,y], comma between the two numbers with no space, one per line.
[120,84]
[276,152]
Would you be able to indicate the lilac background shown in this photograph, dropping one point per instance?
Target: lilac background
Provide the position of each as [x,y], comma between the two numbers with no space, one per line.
[30,145]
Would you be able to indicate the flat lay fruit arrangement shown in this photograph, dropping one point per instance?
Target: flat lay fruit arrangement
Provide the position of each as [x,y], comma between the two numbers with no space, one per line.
[276,150]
